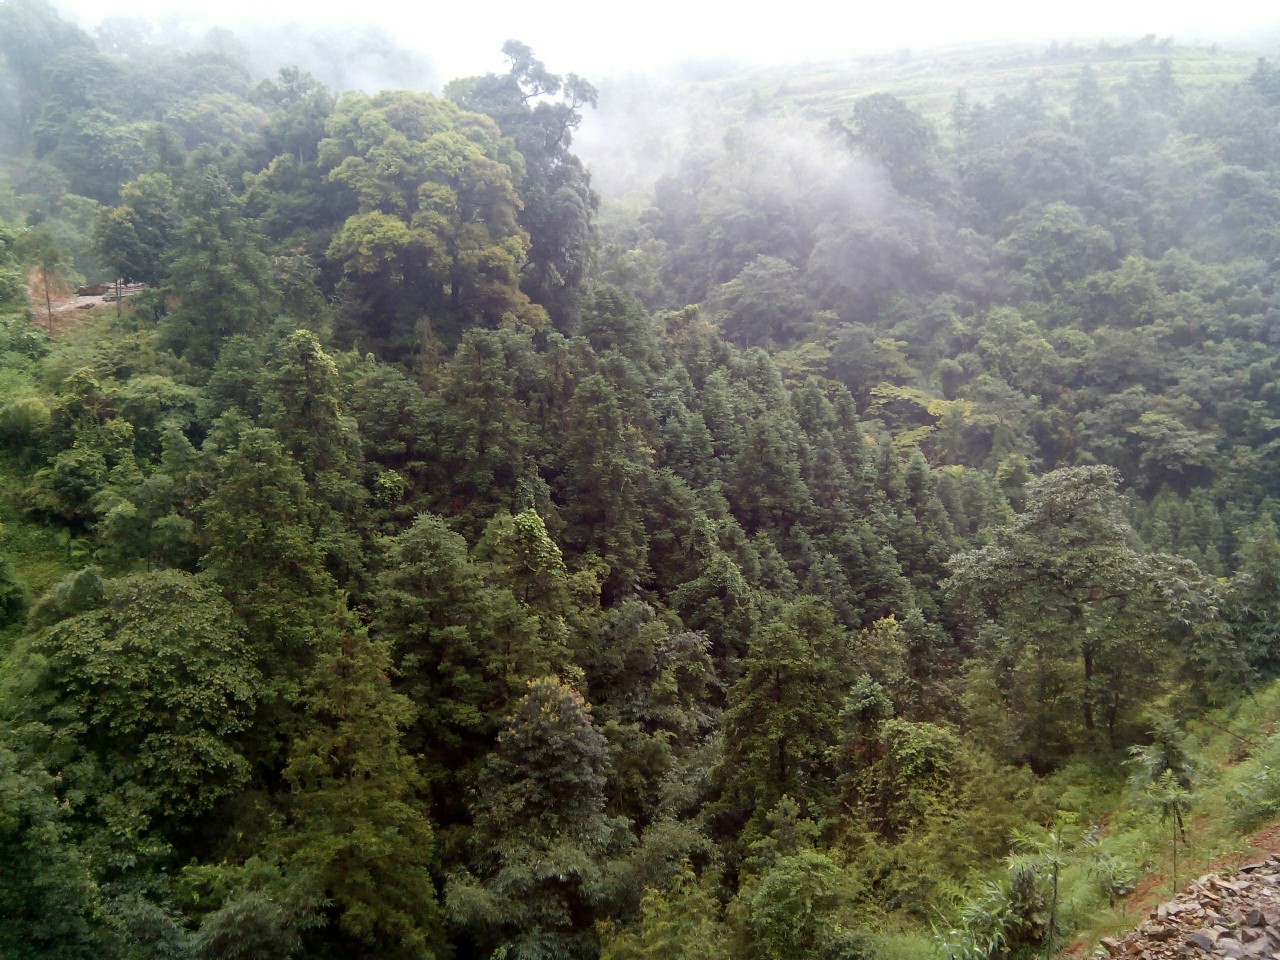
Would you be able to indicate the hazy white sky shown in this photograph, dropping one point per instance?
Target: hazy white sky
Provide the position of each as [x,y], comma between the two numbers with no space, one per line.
[595,38]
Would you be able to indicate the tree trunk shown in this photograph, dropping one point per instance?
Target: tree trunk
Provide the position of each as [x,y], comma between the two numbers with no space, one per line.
[1087,653]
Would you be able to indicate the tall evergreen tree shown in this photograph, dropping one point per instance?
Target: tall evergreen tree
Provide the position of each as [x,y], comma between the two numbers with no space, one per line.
[261,523]
[541,844]
[540,110]
[220,279]
[357,838]
[605,471]
[783,715]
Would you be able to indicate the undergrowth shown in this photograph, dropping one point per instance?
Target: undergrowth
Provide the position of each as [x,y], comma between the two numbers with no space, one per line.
[1111,849]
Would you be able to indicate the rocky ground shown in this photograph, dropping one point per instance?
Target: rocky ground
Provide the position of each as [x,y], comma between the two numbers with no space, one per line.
[1234,916]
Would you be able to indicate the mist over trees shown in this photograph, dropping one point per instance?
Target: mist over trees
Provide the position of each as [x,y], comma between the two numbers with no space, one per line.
[440,558]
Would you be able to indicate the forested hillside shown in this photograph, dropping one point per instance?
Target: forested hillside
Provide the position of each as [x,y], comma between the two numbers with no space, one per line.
[438,559]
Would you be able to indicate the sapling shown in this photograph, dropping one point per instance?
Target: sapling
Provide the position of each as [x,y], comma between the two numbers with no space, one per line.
[1171,799]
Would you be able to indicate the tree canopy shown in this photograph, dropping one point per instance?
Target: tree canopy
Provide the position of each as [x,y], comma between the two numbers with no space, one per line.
[441,558]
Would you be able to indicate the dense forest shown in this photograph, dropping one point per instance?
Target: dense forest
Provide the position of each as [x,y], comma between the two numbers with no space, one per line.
[787,560]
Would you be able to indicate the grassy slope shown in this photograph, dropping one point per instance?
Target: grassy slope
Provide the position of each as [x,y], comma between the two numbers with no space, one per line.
[37,554]
[929,79]
[1118,835]
[1234,818]
[643,125]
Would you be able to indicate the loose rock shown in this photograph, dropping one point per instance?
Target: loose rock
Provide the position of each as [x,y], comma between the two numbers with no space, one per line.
[1232,917]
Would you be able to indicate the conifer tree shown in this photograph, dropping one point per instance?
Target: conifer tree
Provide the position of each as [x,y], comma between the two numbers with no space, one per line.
[678,922]
[357,838]
[432,606]
[480,421]
[524,626]
[718,601]
[542,841]
[219,276]
[783,715]
[300,393]
[1254,593]
[261,523]
[605,469]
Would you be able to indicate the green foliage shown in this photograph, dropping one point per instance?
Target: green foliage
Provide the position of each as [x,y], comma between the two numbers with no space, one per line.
[1172,800]
[997,920]
[481,422]
[76,593]
[1004,342]
[1164,774]
[48,899]
[251,909]
[605,460]
[261,525]
[13,284]
[1083,610]
[299,106]
[13,598]
[139,696]
[134,239]
[1252,596]
[540,110]
[219,278]
[435,609]
[718,600]
[542,841]
[783,713]
[437,231]
[1166,753]
[1044,854]
[680,921]
[763,306]
[804,905]
[910,774]
[1256,797]
[357,840]
[300,397]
